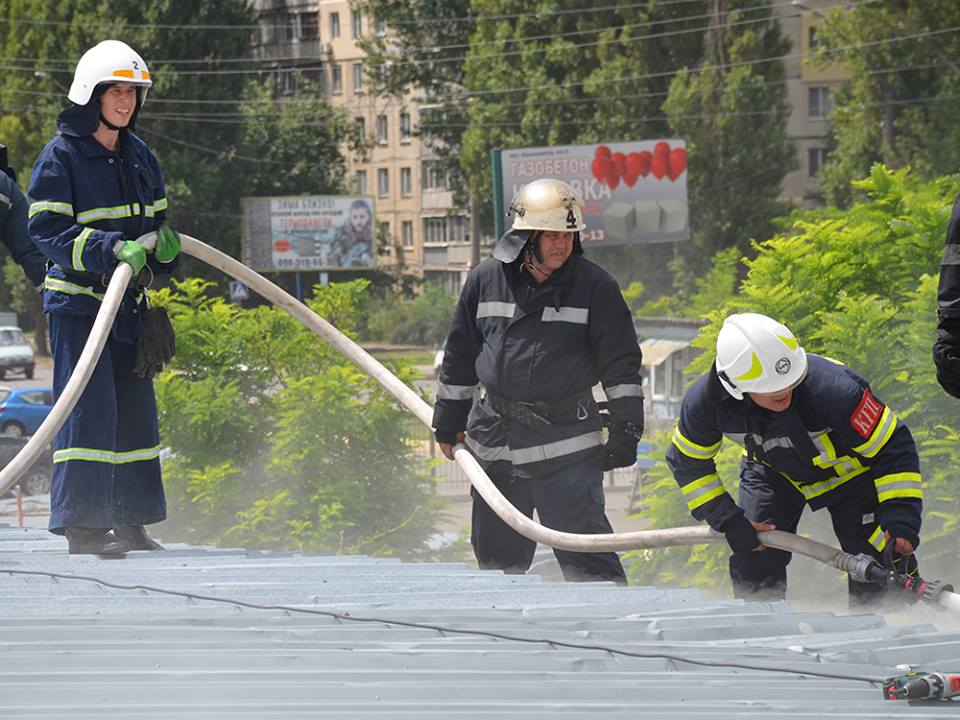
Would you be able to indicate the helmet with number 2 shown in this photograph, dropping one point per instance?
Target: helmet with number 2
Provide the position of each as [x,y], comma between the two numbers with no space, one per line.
[544,204]
[110,61]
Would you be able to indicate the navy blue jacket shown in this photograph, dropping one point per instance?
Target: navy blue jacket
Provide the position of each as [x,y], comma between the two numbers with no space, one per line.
[835,436]
[13,231]
[528,342]
[84,199]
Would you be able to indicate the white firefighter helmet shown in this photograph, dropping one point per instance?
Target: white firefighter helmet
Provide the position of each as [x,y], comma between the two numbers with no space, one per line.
[756,354]
[110,61]
[544,204]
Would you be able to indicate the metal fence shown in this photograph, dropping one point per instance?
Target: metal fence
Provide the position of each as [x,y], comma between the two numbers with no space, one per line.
[453,482]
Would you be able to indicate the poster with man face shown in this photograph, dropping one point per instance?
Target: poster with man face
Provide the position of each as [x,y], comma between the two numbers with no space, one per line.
[309,232]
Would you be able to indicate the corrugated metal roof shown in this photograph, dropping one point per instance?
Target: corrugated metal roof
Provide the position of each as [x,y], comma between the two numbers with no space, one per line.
[80,649]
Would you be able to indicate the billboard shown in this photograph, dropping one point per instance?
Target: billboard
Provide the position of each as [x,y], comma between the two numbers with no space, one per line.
[633,192]
[308,232]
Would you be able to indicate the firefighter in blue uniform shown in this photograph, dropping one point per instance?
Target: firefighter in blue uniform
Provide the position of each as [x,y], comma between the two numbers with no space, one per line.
[813,434]
[946,350]
[96,188]
[536,327]
[13,225]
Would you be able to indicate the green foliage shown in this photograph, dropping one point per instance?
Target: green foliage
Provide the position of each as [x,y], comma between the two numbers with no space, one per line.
[425,320]
[858,286]
[896,105]
[733,115]
[277,441]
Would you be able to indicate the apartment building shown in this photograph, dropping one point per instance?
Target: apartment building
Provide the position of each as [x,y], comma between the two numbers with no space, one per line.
[424,233]
[810,88]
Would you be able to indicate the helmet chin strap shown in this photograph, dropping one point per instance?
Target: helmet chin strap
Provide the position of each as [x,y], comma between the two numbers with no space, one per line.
[532,253]
[108,123]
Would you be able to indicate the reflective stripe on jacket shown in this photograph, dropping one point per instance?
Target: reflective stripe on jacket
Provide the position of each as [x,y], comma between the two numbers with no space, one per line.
[85,198]
[531,343]
[835,436]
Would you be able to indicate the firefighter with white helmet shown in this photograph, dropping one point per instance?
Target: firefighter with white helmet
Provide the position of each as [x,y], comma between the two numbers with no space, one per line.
[536,327]
[813,433]
[96,188]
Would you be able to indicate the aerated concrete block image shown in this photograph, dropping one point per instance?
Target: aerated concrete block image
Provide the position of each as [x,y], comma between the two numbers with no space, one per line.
[673,217]
[620,220]
[648,217]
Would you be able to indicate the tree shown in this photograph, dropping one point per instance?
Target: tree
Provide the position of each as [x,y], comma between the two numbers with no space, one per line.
[897,106]
[858,286]
[733,114]
[277,441]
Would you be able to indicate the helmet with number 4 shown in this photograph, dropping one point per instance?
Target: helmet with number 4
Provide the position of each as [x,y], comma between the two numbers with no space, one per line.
[756,354]
[110,61]
[544,204]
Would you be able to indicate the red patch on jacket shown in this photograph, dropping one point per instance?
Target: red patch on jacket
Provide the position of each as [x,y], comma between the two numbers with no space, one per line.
[867,415]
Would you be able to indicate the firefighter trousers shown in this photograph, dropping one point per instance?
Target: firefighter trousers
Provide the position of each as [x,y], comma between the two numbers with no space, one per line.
[570,500]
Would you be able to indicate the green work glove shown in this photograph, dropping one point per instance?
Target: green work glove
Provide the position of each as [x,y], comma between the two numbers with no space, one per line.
[133,254]
[168,245]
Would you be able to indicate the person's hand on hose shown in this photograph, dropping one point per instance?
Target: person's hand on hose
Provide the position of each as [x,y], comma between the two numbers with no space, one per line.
[620,449]
[132,253]
[168,244]
[446,439]
[741,534]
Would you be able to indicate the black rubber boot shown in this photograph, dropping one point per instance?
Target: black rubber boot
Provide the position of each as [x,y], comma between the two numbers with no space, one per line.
[136,538]
[93,541]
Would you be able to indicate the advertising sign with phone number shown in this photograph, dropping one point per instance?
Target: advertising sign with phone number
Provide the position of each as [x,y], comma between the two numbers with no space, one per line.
[633,192]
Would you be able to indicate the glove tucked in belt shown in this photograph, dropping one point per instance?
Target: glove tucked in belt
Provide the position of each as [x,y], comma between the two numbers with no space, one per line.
[157,345]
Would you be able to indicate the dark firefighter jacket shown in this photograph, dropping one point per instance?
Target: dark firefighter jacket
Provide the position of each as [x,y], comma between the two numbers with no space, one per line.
[13,231]
[946,350]
[530,343]
[85,198]
[835,436]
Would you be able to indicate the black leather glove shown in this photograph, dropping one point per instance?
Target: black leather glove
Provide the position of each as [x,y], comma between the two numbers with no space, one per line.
[620,449]
[447,437]
[947,359]
[157,345]
[740,533]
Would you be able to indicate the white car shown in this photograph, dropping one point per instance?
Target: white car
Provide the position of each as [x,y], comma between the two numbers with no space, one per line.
[16,354]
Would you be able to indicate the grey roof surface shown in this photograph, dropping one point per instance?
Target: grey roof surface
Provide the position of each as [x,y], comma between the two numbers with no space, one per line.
[80,649]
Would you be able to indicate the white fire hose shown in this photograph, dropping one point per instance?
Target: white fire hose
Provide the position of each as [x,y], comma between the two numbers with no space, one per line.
[670,537]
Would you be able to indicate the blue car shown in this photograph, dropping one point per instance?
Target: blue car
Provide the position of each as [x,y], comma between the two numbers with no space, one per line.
[22,410]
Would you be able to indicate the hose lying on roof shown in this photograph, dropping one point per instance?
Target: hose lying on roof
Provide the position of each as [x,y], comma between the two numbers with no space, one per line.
[858,566]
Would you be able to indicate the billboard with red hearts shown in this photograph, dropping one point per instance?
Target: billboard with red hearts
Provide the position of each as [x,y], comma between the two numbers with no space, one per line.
[633,192]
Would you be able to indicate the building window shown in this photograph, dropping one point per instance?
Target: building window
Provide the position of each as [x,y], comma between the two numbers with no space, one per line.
[361,182]
[289,27]
[820,104]
[356,23]
[361,127]
[459,229]
[382,129]
[358,77]
[406,130]
[309,25]
[379,27]
[406,182]
[434,177]
[816,157]
[383,182]
[336,79]
[435,230]
[318,78]
[660,380]
[334,25]
[288,81]
[406,233]
[812,38]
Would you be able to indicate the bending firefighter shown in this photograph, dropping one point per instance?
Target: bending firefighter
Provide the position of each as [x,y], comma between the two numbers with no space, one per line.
[813,434]
[96,188]
[536,327]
